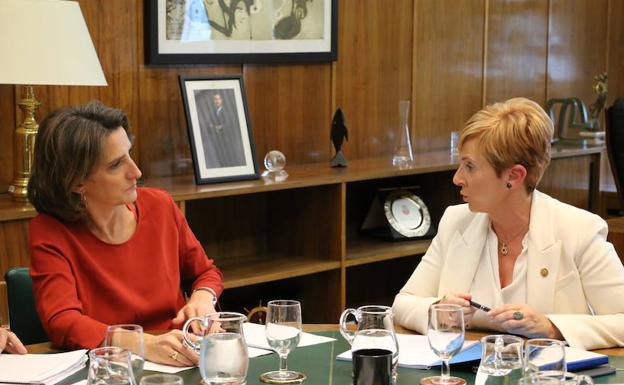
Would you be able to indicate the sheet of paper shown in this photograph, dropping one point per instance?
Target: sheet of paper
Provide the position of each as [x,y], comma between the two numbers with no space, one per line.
[414,352]
[45,368]
[154,367]
[256,337]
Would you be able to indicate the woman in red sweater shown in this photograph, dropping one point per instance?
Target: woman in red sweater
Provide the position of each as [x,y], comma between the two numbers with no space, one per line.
[104,251]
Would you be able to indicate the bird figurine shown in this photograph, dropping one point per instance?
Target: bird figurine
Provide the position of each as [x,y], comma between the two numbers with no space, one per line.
[338,134]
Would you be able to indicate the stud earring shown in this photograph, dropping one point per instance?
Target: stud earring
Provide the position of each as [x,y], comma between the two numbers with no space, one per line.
[508,185]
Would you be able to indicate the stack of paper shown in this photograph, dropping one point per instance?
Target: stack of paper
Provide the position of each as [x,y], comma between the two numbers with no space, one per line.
[45,369]
[414,352]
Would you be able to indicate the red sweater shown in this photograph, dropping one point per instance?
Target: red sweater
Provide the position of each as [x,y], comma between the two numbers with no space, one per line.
[82,284]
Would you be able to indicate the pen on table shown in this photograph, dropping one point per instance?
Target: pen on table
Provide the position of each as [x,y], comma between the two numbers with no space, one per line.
[21,383]
[479,306]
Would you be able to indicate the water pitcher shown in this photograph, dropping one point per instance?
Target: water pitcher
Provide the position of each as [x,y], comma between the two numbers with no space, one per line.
[223,356]
[374,330]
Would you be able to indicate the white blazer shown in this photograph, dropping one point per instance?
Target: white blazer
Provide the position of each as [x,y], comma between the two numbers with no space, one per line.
[582,292]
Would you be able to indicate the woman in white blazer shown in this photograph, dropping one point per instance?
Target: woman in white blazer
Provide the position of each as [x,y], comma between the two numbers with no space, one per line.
[544,267]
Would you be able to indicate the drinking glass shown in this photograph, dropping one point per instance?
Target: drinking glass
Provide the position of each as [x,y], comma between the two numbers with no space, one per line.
[162,379]
[128,336]
[110,365]
[501,360]
[446,337]
[283,328]
[544,356]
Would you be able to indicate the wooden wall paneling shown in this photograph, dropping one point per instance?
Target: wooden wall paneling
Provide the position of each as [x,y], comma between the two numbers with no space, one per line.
[576,47]
[516,50]
[289,110]
[568,179]
[616,50]
[373,72]
[448,64]
[8,122]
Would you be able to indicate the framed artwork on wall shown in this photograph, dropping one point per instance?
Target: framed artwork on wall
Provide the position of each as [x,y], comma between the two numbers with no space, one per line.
[219,131]
[240,31]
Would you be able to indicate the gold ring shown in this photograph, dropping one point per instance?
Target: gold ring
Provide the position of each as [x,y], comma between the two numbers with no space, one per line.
[174,355]
[518,315]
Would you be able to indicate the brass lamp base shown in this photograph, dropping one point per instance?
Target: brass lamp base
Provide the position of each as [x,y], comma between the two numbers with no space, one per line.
[24,145]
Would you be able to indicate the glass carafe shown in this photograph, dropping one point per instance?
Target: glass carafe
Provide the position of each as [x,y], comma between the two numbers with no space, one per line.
[374,330]
[223,356]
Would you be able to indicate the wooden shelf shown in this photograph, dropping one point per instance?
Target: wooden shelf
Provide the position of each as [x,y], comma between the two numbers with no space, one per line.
[368,250]
[305,175]
[273,268]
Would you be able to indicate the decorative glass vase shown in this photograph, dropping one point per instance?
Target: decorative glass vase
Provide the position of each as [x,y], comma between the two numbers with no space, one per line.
[403,153]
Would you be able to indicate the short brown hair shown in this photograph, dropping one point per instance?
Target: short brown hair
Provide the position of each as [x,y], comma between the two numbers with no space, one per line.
[516,131]
[67,148]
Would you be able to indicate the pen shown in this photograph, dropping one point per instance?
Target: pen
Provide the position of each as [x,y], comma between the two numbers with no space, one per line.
[21,383]
[479,306]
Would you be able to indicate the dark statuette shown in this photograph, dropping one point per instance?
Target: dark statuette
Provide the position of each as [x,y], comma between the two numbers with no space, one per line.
[338,134]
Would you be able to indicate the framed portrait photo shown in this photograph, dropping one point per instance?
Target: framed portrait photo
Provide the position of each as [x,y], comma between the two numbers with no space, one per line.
[240,31]
[219,131]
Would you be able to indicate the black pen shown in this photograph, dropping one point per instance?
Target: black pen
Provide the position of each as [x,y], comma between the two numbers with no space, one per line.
[479,306]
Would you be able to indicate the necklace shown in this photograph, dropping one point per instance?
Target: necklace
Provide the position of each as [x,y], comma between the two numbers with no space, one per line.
[504,245]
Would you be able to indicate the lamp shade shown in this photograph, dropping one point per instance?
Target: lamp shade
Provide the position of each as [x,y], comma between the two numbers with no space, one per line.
[46,42]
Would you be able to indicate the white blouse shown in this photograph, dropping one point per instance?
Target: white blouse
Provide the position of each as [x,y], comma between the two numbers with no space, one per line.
[486,286]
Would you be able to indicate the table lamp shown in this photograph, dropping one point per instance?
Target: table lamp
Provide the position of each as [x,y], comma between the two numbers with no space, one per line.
[42,42]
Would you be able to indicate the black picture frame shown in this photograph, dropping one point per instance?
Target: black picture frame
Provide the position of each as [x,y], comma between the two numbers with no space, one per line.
[219,130]
[168,41]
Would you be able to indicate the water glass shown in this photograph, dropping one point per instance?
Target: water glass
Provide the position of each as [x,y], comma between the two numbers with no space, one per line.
[110,365]
[162,379]
[501,360]
[128,336]
[446,338]
[453,144]
[544,356]
[283,330]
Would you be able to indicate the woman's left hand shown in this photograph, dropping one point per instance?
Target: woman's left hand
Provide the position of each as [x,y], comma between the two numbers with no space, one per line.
[200,304]
[524,320]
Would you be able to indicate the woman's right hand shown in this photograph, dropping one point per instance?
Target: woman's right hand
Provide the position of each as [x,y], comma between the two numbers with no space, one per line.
[460,299]
[10,342]
[169,349]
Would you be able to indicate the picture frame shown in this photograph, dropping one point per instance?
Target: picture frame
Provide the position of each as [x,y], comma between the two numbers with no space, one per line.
[240,31]
[219,130]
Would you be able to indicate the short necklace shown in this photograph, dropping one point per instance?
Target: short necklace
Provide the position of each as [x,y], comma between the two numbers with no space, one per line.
[504,245]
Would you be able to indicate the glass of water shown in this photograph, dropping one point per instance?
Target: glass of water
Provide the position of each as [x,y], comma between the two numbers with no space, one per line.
[110,365]
[501,360]
[544,356]
[446,338]
[283,328]
[128,336]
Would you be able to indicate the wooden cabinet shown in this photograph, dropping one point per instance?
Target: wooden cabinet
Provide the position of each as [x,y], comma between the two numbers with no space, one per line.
[300,238]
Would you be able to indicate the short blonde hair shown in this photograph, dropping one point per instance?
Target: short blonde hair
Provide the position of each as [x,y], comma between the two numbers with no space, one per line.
[517,131]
